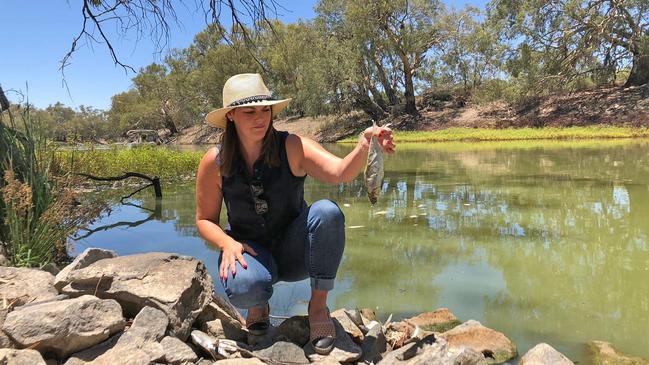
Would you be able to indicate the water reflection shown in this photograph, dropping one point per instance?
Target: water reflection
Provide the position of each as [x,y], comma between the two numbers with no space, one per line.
[545,242]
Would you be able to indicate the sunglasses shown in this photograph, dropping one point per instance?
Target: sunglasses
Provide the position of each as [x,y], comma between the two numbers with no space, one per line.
[261,206]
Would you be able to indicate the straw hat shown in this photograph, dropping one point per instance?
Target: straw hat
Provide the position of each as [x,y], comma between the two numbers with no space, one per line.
[244,90]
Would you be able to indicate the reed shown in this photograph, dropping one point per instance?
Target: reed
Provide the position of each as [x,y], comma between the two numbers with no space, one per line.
[514,134]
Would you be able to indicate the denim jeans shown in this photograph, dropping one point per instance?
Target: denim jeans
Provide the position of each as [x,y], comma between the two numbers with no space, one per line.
[312,246]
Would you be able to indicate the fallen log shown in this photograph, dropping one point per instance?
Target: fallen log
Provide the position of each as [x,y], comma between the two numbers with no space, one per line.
[154,181]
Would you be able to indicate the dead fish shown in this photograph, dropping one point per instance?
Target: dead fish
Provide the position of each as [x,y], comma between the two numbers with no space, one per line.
[206,343]
[374,169]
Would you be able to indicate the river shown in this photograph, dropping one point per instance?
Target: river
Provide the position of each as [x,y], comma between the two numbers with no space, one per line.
[543,241]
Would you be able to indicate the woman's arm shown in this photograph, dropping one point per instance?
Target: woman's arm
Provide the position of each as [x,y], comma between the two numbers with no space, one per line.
[311,158]
[209,197]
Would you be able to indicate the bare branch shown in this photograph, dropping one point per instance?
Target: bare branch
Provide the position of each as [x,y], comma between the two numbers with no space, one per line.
[151,18]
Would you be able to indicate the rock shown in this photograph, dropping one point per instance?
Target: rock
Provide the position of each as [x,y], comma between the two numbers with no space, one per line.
[5,341]
[440,320]
[603,353]
[150,324]
[368,314]
[225,329]
[433,350]
[345,349]
[90,354]
[64,327]
[87,257]
[21,357]
[138,345]
[296,330]
[283,352]
[397,333]
[326,361]
[176,351]
[219,323]
[250,361]
[544,354]
[407,352]
[349,326]
[373,345]
[492,344]
[178,285]
[467,356]
[21,285]
[224,305]
[266,340]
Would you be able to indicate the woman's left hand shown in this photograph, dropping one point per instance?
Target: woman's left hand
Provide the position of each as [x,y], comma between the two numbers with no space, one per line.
[384,135]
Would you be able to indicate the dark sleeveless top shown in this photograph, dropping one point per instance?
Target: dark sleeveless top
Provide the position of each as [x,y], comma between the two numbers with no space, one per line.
[283,191]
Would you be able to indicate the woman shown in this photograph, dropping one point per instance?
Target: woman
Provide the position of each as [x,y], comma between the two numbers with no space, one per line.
[273,234]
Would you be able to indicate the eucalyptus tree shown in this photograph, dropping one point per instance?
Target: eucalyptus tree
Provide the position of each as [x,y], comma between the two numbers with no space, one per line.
[564,39]
[469,54]
[388,42]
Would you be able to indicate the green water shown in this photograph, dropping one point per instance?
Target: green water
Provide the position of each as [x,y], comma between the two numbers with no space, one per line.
[545,242]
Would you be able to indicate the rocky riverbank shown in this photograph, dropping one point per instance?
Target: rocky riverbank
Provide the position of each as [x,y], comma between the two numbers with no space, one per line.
[159,308]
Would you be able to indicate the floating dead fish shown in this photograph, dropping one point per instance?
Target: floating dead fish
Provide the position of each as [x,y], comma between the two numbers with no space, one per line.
[346,205]
[374,169]
[355,227]
[383,212]
[414,216]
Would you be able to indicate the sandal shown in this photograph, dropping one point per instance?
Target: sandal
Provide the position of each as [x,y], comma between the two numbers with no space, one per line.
[258,325]
[322,335]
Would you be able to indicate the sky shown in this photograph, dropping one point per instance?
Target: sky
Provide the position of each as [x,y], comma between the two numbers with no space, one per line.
[38,34]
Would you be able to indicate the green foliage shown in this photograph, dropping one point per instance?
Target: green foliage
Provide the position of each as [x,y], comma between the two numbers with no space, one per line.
[37,211]
[512,134]
[375,56]
[166,163]
[555,41]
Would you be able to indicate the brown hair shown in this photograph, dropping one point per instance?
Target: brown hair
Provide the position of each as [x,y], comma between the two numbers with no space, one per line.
[230,154]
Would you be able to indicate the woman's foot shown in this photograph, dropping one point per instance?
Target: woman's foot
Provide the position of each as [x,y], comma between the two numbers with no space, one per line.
[257,321]
[322,330]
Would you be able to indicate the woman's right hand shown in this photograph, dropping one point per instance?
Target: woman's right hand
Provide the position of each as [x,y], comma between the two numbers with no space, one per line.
[233,252]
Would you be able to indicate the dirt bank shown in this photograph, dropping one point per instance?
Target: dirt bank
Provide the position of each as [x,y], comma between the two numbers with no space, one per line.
[614,106]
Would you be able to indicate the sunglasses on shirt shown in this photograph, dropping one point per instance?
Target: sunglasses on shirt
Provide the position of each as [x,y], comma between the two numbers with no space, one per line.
[261,206]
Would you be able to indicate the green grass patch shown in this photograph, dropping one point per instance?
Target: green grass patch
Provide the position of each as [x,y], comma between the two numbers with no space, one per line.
[166,163]
[513,134]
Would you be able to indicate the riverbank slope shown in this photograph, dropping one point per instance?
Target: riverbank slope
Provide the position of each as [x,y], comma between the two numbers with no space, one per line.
[610,106]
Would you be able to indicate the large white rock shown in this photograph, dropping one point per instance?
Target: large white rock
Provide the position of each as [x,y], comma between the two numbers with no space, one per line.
[64,327]
[22,285]
[180,286]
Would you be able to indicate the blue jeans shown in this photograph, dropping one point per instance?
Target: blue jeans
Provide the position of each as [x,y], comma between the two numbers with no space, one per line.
[312,246]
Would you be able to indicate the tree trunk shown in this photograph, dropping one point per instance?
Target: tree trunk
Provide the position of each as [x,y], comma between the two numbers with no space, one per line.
[380,70]
[4,102]
[168,120]
[639,72]
[411,107]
